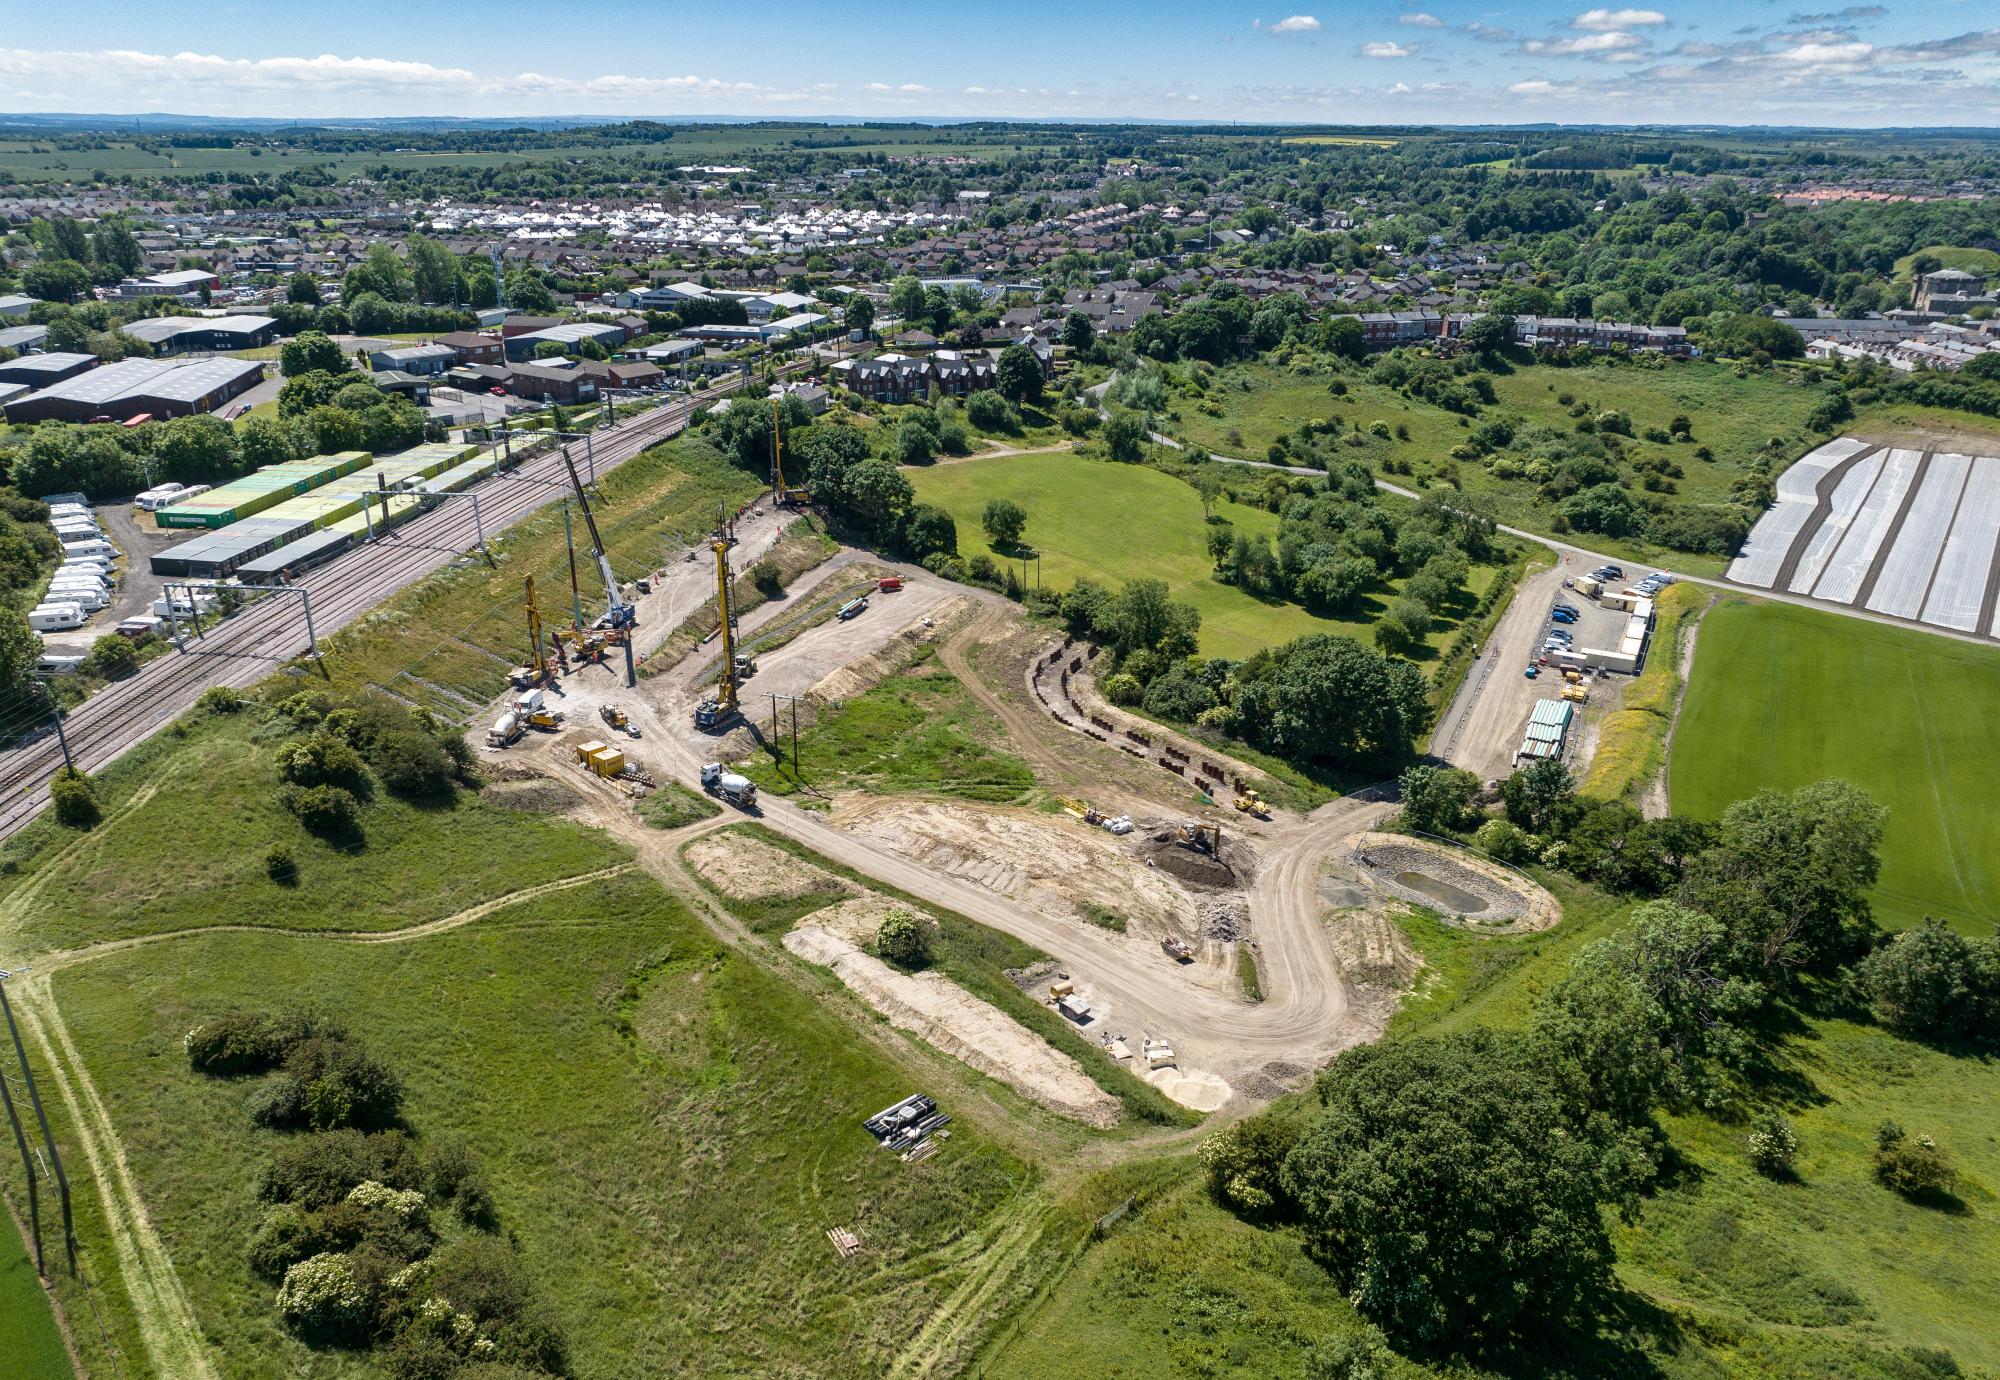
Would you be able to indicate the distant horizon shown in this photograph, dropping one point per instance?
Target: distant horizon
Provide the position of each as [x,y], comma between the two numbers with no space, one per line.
[1848,66]
[109,121]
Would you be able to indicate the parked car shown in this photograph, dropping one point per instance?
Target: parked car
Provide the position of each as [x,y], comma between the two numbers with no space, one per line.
[1562,616]
[1533,670]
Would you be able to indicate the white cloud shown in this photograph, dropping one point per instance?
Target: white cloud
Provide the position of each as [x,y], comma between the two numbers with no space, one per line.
[1422,21]
[914,88]
[1535,87]
[1580,47]
[1828,54]
[1617,19]
[1385,50]
[1399,89]
[1292,24]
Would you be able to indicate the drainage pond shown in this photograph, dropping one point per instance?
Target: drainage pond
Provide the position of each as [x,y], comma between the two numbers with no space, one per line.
[1445,894]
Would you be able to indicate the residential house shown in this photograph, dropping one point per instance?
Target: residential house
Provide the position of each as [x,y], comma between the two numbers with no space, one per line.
[469,347]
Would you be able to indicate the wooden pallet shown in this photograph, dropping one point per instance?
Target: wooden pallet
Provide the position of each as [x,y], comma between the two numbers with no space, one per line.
[844,1241]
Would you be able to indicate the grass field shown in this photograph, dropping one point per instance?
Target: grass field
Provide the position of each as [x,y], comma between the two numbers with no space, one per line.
[1782,696]
[195,813]
[29,1341]
[1950,256]
[669,1129]
[919,732]
[1092,519]
[1734,417]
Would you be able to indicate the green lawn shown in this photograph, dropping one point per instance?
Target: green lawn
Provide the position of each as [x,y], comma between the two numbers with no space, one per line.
[1092,519]
[1261,400]
[670,1130]
[28,1338]
[1783,695]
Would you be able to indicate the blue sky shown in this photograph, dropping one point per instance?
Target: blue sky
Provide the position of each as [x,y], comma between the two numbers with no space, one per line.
[1750,61]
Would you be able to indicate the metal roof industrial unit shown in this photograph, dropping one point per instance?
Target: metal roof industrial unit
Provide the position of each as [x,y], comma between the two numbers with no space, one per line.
[293,557]
[158,330]
[45,371]
[1548,727]
[253,493]
[133,385]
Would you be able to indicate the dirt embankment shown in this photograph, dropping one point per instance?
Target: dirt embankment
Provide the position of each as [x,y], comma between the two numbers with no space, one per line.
[1464,888]
[1055,863]
[949,1018]
[748,869]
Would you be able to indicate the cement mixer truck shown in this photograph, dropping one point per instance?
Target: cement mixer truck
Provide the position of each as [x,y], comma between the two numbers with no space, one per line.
[739,791]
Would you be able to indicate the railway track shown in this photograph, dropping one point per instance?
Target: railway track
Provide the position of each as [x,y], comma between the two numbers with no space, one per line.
[263,636]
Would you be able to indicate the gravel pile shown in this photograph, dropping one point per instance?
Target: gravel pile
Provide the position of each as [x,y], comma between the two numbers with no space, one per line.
[1225,920]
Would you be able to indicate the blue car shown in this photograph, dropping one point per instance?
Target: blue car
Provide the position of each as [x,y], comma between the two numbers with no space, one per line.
[1563,616]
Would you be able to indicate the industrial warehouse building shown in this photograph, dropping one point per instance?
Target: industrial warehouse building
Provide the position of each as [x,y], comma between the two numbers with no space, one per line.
[287,517]
[180,335]
[43,371]
[139,388]
[567,334]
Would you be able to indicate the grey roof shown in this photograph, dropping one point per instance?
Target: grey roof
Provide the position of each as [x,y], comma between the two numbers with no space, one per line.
[569,332]
[20,337]
[412,353]
[167,380]
[156,329]
[57,363]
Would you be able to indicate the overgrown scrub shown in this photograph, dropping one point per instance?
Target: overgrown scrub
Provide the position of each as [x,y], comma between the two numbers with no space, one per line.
[74,799]
[352,1231]
[1914,1166]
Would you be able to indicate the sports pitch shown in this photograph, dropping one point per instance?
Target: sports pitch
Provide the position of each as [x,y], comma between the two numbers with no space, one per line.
[1782,696]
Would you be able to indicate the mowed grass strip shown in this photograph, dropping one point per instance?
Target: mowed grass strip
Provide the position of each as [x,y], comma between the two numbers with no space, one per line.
[669,1129]
[32,1347]
[1783,695]
[1096,520]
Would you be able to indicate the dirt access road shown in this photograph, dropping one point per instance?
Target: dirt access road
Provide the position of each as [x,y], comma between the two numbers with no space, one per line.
[1305,1019]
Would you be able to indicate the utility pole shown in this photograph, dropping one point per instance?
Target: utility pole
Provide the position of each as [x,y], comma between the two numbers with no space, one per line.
[42,1119]
[55,710]
[794,700]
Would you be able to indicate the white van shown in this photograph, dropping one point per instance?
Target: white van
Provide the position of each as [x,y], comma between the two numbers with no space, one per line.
[58,663]
[95,547]
[181,607]
[78,531]
[96,565]
[55,617]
